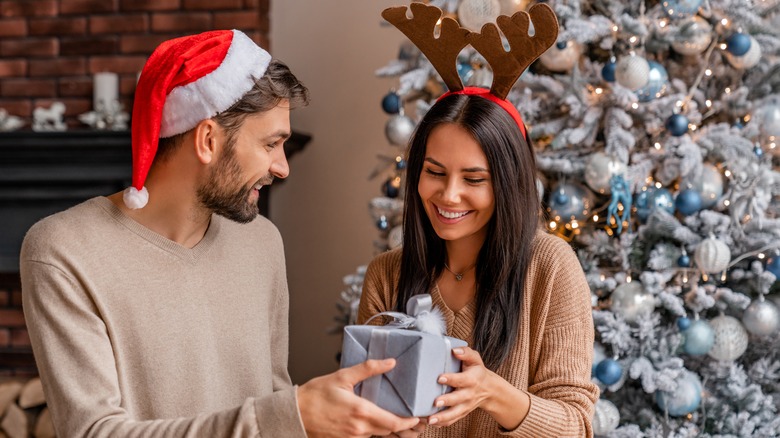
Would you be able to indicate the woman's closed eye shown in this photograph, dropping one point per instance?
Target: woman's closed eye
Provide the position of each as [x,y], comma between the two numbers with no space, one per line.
[430,171]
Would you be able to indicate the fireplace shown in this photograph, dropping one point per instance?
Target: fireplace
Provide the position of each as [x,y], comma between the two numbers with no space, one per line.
[41,174]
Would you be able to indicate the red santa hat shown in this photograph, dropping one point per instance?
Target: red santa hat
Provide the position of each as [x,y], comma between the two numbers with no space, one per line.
[187,80]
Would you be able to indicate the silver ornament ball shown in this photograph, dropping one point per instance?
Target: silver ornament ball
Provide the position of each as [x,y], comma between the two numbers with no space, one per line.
[632,72]
[630,300]
[695,35]
[709,185]
[472,14]
[561,60]
[399,130]
[600,169]
[712,255]
[606,417]
[761,317]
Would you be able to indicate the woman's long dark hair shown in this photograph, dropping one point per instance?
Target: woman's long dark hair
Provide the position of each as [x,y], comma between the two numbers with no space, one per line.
[504,257]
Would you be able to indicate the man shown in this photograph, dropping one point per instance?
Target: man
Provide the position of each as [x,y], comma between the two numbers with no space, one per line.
[155,312]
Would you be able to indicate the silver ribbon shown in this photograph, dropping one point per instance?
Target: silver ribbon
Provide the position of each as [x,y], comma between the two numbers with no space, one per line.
[417,306]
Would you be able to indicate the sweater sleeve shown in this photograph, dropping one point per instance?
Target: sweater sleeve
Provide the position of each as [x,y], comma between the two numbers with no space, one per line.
[76,363]
[561,391]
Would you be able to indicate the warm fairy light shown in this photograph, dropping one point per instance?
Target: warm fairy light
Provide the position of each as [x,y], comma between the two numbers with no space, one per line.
[704,276]
[708,103]
[726,202]
[602,277]
[723,46]
[574,224]
[658,185]
[614,28]
[620,207]
[657,146]
[727,173]
[595,218]
[746,218]
[772,145]
[599,90]
[724,21]
[679,103]
[761,256]
[553,224]
[662,23]
[722,278]
[691,126]
[634,105]
[708,72]
[771,138]
[632,40]
[628,279]
[727,90]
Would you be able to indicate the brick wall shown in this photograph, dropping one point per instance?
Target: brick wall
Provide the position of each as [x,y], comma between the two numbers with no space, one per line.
[16,358]
[49,49]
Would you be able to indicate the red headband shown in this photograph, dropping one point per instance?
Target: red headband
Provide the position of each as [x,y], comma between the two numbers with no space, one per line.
[503,103]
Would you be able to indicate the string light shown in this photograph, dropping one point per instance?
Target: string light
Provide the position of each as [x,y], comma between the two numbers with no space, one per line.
[634,105]
[708,72]
[723,46]
[595,218]
[658,185]
[724,21]
[708,103]
[727,90]
[553,225]
[726,202]
[657,146]
[727,173]
[761,256]
[599,90]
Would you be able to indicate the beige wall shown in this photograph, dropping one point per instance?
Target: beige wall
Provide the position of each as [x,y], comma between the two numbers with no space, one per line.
[334,47]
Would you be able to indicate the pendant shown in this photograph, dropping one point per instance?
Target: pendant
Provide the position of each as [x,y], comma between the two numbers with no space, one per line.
[458,277]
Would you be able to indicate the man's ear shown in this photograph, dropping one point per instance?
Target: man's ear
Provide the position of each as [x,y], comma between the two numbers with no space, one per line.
[209,137]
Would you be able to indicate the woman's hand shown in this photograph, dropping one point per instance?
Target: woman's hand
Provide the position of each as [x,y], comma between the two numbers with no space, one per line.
[411,433]
[472,388]
[478,387]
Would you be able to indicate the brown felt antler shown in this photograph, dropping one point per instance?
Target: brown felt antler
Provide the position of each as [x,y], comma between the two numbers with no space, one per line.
[524,49]
[443,51]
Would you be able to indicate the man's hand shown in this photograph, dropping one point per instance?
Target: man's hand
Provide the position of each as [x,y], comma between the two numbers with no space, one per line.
[330,408]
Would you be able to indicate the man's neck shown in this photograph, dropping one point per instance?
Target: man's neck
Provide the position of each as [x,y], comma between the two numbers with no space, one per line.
[177,218]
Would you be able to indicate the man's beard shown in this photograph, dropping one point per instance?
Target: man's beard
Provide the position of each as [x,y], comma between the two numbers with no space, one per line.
[223,196]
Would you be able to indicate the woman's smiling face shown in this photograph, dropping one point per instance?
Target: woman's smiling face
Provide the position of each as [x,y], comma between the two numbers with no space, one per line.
[455,185]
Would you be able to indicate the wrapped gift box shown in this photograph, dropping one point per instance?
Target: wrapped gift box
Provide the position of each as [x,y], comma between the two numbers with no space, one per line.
[409,389]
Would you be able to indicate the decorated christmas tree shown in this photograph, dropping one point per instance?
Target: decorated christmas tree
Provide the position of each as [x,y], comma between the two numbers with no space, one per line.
[656,127]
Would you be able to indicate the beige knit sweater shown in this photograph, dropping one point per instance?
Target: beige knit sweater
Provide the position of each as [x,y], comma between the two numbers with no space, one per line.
[552,357]
[135,335]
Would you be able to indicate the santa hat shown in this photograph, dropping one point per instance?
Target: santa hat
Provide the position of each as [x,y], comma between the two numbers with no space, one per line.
[187,80]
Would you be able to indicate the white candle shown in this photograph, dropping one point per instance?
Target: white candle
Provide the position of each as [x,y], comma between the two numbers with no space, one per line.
[106,90]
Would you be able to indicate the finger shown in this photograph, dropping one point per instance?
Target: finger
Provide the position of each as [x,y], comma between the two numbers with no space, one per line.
[468,356]
[362,371]
[380,421]
[420,428]
[449,416]
[464,379]
[453,398]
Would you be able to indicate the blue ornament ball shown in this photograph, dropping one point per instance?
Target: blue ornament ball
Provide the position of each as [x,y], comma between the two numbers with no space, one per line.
[390,189]
[738,43]
[661,199]
[677,125]
[641,201]
[773,265]
[685,399]
[688,202]
[758,151]
[684,261]
[609,371]
[400,164]
[391,103]
[683,323]
[382,223]
[569,201]
[681,8]
[699,338]
[465,71]
[657,82]
[608,71]
[561,45]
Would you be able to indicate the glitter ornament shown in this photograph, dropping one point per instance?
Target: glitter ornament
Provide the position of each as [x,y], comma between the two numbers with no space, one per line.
[712,256]
[630,301]
[694,36]
[600,169]
[761,317]
[472,14]
[561,57]
[399,129]
[699,338]
[749,59]
[609,371]
[681,8]
[684,399]
[709,185]
[731,339]
[606,417]
[657,83]
[632,72]
[569,201]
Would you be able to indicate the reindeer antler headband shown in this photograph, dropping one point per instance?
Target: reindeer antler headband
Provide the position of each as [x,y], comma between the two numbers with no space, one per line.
[507,66]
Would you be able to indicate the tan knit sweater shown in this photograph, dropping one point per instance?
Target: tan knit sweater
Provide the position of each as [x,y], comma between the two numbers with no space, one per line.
[552,357]
[135,335]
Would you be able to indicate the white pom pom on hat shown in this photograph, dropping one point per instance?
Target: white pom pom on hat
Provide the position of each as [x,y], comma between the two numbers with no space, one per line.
[184,81]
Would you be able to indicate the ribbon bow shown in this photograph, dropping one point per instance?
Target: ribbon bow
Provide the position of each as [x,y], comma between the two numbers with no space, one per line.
[420,315]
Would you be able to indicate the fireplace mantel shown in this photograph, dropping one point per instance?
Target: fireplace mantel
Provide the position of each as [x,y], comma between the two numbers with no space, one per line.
[42,173]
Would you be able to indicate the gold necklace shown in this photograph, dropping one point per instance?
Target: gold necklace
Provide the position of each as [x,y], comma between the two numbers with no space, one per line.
[459,275]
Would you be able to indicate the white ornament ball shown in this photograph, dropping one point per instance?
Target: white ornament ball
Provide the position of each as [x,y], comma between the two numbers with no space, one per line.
[709,185]
[399,129]
[768,118]
[395,238]
[761,317]
[694,36]
[561,60]
[712,256]
[600,169]
[472,14]
[632,72]
[731,339]
[749,59]
[630,300]
[605,417]
[509,7]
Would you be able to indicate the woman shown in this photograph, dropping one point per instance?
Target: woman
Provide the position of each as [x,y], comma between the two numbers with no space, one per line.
[516,294]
